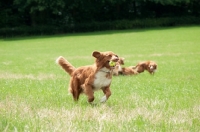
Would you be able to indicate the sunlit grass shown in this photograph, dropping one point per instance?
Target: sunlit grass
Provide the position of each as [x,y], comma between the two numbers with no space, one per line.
[34,90]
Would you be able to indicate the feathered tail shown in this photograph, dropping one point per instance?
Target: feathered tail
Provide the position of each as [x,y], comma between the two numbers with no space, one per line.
[68,67]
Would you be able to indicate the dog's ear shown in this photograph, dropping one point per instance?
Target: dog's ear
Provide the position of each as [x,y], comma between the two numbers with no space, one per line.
[96,54]
[122,61]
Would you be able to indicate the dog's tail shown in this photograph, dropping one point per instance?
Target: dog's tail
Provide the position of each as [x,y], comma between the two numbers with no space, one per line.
[68,67]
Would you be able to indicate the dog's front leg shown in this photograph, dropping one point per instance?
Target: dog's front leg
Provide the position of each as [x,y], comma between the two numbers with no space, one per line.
[107,93]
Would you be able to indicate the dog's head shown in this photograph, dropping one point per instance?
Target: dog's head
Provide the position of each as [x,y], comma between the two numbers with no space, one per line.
[103,59]
[152,67]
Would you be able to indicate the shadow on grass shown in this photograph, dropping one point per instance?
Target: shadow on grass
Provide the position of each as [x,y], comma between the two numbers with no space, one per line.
[92,33]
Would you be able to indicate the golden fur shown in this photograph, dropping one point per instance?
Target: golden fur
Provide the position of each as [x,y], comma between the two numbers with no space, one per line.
[149,66]
[87,79]
[128,71]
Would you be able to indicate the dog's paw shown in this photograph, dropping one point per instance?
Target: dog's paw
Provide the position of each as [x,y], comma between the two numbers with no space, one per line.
[103,99]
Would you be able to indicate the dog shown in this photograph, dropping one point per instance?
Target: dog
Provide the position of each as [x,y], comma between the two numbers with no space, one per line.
[149,66]
[118,68]
[87,79]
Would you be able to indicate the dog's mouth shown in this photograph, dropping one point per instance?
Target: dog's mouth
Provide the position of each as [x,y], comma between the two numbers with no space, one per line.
[112,64]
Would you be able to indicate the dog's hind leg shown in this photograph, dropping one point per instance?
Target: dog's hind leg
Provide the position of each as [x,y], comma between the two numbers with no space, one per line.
[75,95]
[75,90]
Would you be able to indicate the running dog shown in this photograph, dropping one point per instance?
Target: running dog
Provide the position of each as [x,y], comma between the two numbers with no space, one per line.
[149,66]
[87,79]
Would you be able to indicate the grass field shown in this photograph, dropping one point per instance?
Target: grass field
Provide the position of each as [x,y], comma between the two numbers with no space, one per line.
[34,90]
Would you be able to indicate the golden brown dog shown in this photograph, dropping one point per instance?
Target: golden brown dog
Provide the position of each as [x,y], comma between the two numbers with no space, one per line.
[118,68]
[150,66]
[87,79]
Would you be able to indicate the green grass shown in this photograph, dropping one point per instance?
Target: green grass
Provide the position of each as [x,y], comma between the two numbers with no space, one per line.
[34,90]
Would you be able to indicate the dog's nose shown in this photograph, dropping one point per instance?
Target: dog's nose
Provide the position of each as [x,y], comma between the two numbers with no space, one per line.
[115,58]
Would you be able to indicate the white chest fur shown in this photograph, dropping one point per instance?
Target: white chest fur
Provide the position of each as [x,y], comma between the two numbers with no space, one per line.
[101,80]
[120,68]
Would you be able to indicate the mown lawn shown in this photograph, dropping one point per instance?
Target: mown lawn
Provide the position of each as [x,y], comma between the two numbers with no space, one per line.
[34,90]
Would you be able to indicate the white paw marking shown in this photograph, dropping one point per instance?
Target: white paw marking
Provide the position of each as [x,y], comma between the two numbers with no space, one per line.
[103,99]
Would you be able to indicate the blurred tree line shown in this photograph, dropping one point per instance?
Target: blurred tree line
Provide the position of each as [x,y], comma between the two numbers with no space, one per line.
[15,13]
